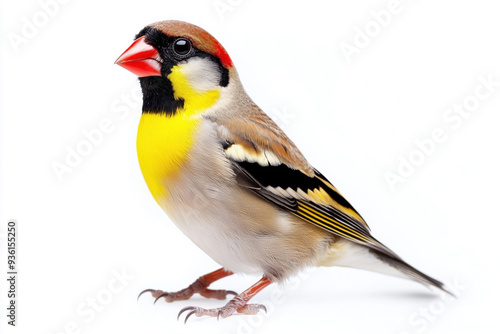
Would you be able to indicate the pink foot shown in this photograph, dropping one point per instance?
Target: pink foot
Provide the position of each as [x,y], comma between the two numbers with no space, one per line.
[199,286]
[235,305]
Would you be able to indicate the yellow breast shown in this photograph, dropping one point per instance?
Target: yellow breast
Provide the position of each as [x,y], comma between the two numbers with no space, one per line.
[163,145]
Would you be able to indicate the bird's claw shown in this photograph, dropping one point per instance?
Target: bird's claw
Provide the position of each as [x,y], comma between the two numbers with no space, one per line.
[199,312]
[166,295]
[188,293]
[221,312]
[169,296]
[252,309]
[154,293]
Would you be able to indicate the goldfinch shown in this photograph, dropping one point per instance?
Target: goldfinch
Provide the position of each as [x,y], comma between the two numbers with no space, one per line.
[231,180]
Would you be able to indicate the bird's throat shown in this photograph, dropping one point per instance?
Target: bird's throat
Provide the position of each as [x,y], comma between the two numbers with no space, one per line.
[172,113]
[158,96]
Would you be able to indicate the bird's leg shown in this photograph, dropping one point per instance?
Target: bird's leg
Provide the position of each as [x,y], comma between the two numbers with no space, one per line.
[199,286]
[237,304]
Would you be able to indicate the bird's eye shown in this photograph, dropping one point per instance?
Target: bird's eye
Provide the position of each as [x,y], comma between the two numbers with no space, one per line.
[182,47]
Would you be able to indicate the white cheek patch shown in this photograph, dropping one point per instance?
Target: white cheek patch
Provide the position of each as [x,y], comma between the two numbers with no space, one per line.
[202,74]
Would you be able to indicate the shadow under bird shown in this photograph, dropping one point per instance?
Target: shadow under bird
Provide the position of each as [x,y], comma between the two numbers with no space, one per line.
[231,180]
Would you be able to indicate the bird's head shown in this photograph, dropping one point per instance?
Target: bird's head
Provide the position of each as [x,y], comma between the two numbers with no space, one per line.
[180,67]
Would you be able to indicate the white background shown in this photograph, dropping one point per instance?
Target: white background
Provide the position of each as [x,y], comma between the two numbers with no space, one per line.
[352,119]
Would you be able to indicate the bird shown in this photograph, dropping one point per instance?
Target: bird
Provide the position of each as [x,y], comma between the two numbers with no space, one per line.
[232,181]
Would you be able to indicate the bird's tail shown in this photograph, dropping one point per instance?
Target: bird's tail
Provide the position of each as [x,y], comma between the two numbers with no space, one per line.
[349,254]
[409,271]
